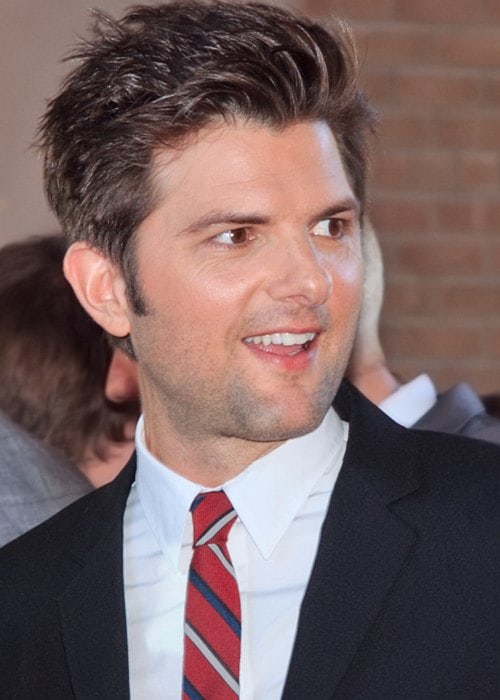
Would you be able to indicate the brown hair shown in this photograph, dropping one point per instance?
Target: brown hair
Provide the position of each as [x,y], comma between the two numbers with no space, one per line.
[54,359]
[492,404]
[157,76]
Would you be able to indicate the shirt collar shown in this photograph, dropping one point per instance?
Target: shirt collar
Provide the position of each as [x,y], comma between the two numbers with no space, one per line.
[411,401]
[267,495]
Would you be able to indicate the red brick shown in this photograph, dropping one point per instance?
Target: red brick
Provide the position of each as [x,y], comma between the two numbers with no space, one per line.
[434,341]
[468,48]
[396,215]
[438,87]
[379,86]
[478,170]
[471,128]
[380,45]
[399,128]
[493,258]
[492,9]
[394,169]
[493,340]
[414,45]
[459,130]
[493,90]
[459,11]
[458,215]
[434,170]
[415,170]
[489,216]
[432,84]
[404,298]
[350,9]
[493,336]
[471,298]
[488,135]
[428,256]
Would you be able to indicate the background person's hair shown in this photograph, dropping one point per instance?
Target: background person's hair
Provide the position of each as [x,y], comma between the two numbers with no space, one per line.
[54,359]
[154,78]
[492,404]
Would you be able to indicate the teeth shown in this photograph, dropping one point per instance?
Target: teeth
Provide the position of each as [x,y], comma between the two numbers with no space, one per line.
[281,339]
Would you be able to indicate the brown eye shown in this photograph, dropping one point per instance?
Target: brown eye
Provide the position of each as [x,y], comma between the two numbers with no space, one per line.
[336,227]
[234,236]
[238,235]
[331,228]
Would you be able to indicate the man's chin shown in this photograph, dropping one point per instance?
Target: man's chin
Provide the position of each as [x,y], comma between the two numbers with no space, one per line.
[279,428]
[279,415]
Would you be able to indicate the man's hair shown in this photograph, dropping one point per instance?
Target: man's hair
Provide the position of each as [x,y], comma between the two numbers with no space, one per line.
[156,77]
[54,359]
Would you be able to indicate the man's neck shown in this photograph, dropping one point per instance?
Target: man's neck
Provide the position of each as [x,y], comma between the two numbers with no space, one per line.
[208,462]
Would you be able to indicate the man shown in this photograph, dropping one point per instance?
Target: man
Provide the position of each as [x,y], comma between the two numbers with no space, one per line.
[416,403]
[213,192]
[68,402]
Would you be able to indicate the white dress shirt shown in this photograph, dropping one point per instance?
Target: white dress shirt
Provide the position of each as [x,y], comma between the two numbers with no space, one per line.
[281,501]
[411,401]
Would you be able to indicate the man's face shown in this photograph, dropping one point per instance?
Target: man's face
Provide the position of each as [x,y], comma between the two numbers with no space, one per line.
[250,268]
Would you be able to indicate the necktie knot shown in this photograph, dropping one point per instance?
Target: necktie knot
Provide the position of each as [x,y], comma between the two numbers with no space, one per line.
[213,517]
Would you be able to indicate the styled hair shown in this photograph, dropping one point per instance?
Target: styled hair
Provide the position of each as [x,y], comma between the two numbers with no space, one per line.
[54,359]
[153,79]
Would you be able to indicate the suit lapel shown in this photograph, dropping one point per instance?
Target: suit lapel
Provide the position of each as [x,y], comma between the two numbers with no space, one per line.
[92,607]
[363,548]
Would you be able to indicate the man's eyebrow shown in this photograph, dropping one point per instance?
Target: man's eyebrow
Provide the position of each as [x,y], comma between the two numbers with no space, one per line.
[223,217]
[346,205]
[215,218]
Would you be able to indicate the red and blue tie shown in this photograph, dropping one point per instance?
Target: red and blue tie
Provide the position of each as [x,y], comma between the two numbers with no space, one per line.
[212,627]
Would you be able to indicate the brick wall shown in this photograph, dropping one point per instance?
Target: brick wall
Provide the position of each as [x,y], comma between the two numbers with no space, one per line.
[433,70]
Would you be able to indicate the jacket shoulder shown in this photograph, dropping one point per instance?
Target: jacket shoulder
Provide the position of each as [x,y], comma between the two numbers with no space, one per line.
[44,553]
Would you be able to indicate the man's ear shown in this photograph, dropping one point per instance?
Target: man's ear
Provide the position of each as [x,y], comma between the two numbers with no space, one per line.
[99,287]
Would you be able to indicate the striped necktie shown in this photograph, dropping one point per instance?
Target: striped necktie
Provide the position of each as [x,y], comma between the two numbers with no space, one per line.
[212,627]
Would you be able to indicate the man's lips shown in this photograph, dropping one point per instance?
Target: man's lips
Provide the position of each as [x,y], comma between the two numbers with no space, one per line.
[284,343]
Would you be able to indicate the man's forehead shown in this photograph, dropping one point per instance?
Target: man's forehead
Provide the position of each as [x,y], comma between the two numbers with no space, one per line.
[246,153]
[251,176]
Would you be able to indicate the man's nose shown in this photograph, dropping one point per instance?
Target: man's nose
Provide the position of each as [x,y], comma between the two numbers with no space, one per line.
[300,272]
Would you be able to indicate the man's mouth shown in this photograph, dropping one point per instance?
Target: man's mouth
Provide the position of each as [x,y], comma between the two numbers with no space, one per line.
[282,343]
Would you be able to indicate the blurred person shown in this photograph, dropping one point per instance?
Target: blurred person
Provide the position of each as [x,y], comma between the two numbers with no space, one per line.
[492,404]
[208,163]
[72,397]
[35,481]
[417,403]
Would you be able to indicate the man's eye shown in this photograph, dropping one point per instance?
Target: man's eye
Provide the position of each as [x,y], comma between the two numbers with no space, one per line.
[333,228]
[233,236]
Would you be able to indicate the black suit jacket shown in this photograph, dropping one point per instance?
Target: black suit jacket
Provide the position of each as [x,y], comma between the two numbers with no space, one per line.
[460,410]
[402,604]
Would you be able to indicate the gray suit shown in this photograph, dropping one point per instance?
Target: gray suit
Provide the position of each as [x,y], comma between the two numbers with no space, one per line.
[460,411]
[34,483]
